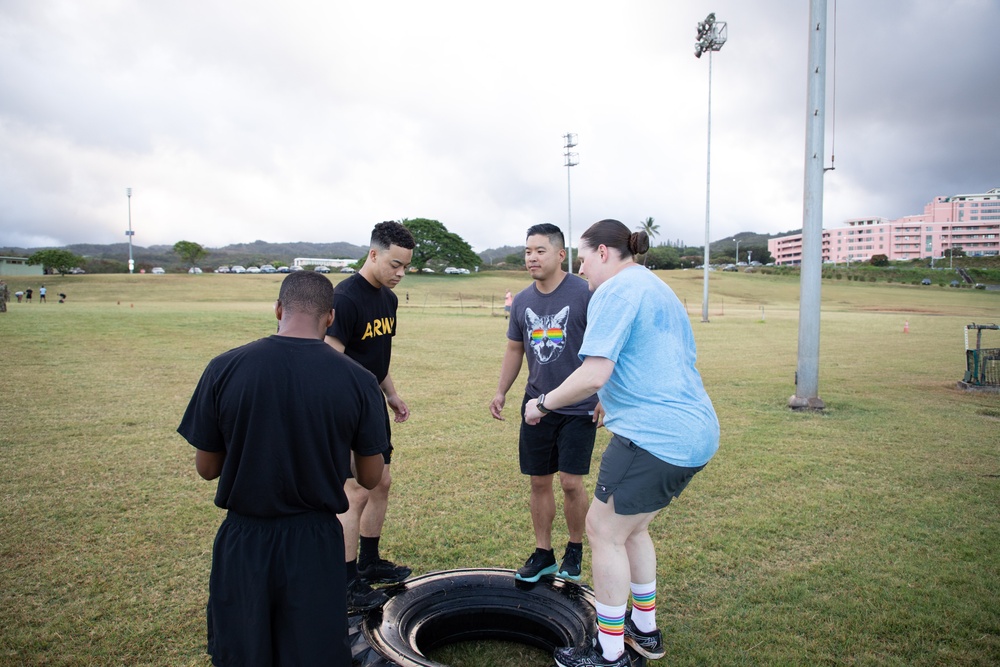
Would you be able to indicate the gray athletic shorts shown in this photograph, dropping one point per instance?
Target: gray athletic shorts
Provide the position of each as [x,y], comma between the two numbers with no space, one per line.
[639,482]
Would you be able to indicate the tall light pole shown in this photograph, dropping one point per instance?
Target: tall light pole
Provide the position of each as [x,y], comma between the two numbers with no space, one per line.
[806,395]
[572,159]
[130,233]
[737,250]
[712,35]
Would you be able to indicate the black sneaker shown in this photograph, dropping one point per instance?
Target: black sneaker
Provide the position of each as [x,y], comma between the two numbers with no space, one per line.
[646,644]
[571,564]
[383,571]
[538,564]
[588,656]
[362,597]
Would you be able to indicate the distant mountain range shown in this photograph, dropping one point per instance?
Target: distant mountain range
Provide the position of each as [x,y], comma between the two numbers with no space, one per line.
[262,252]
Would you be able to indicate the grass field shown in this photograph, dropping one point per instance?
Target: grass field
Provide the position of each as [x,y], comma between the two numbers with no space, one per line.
[863,535]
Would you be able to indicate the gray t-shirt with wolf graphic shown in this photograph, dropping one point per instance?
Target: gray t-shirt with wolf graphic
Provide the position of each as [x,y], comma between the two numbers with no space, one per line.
[551,326]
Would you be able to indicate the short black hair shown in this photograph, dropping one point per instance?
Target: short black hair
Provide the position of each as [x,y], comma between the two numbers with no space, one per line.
[390,233]
[306,292]
[548,229]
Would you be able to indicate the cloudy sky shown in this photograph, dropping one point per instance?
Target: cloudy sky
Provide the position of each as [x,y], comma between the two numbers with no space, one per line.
[311,120]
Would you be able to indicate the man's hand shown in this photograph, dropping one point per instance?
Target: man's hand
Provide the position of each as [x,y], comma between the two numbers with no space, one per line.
[599,414]
[399,408]
[496,406]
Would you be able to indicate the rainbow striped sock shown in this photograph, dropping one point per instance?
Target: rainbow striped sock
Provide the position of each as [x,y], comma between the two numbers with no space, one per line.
[611,629]
[644,606]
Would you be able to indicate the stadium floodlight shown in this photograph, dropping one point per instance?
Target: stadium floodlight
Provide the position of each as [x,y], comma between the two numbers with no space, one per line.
[572,159]
[712,35]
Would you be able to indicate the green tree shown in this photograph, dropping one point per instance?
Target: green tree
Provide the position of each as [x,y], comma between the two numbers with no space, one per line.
[190,252]
[435,244]
[880,260]
[652,230]
[662,257]
[55,260]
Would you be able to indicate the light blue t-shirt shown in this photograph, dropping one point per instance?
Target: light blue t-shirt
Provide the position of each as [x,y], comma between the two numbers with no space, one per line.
[655,396]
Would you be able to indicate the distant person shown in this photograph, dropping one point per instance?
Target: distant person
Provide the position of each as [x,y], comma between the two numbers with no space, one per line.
[263,423]
[62,298]
[41,294]
[547,322]
[19,294]
[507,301]
[4,296]
[639,355]
[366,322]
[27,295]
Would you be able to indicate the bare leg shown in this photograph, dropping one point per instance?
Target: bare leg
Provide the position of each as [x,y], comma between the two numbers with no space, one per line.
[575,505]
[608,534]
[373,515]
[357,496]
[543,510]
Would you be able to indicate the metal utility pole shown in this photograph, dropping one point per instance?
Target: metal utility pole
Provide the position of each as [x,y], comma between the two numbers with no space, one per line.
[572,159]
[712,35]
[737,250]
[807,371]
[130,233]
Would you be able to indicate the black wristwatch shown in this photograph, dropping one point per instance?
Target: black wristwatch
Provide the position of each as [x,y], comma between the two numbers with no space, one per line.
[540,405]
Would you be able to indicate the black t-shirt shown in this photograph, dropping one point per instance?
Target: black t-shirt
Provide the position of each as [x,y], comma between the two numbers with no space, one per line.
[365,322]
[287,412]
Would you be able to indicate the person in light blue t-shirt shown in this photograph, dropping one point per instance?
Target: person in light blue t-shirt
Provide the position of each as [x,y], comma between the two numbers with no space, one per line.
[638,354]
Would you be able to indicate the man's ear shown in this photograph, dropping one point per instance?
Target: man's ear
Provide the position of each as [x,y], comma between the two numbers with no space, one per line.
[329,318]
[278,310]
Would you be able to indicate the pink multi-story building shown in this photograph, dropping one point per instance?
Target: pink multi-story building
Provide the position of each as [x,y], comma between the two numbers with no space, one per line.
[968,222]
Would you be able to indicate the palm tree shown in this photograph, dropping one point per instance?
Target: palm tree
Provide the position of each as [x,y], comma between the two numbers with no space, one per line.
[651,230]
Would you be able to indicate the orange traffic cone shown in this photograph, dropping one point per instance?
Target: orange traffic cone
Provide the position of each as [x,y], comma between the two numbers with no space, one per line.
[906,326]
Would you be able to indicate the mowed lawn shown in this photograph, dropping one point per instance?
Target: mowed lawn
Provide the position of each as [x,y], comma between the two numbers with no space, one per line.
[866,534]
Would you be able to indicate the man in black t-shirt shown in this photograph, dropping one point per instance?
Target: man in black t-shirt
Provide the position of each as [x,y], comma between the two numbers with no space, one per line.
[363,329]
[262,422]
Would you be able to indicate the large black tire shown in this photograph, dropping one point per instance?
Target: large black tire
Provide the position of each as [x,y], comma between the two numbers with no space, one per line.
[441,608]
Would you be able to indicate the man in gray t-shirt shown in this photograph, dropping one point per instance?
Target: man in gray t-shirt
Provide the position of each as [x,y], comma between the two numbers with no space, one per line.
[546,326]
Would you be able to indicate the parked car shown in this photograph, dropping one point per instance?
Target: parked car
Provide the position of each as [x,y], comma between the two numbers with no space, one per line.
[322,269]
[267,268]
[463,271]
[296,268]
[347,269]
[925,281]
[195,269]
[158,270]
[955,283]
[237,268]
[253,269]
[222,269]
[427,269]
[283,269]
[451,270]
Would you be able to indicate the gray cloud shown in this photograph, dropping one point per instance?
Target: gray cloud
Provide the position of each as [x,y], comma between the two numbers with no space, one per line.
[312,121]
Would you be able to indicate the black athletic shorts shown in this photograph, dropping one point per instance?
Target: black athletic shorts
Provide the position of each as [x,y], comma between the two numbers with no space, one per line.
[277,592]
[557,443]
[639,481]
